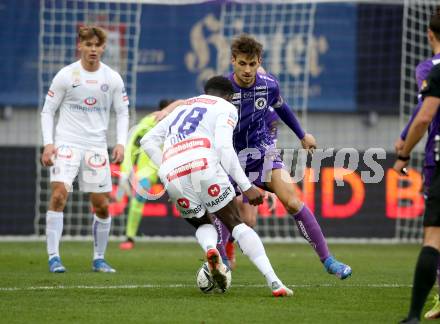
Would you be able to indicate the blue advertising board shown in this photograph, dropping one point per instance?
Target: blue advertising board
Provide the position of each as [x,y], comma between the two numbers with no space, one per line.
[178,49]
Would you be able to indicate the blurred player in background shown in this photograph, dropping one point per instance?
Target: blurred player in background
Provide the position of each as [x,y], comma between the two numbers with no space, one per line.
[422,71]
[427,262]
[84,91]
[197,157]
[138,171]
[254,93]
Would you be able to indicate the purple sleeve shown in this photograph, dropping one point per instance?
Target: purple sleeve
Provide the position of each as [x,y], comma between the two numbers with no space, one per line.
[288,117]
[422,71]
[408,125]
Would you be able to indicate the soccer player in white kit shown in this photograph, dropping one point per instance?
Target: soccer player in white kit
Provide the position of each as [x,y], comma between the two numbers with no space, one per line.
[195,162]
[84,92]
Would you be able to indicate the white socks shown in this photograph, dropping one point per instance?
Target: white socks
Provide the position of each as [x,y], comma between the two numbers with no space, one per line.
[54,230]
[206,235]
[251,245]
[100,231]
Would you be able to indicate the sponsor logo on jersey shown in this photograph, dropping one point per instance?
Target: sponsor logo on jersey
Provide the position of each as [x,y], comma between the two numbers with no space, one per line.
[261,87]
[92,81]
[192,211]
[183,202]
[201,100]
[236,95]
[260,103]
[96,160]
[214,190]
[104,87]
[220,198]
[185,146]
[50,93]
[64,152]
[187,168]
[90,101]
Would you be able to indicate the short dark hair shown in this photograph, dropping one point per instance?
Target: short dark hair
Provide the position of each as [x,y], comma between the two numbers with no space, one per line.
[247,45]
[219,85]
[434,24]
[164,102]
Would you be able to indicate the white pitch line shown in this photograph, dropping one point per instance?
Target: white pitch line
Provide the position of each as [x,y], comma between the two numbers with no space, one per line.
[152,286]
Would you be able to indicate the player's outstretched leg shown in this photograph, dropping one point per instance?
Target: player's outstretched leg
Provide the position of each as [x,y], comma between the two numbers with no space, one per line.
[251,245]
[307,224]
[311,231]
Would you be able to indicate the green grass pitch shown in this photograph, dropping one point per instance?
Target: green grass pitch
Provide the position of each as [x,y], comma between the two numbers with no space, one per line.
[155,283]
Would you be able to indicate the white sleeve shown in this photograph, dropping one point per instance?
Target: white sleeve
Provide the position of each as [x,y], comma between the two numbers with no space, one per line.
[224,128]
[120,105]
[53,100]
[153,140]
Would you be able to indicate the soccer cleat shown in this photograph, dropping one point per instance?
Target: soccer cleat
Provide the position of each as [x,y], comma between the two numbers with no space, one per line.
[99,265]
[55,265]
[279,290]
[339,269]
[409,321]
[215,267]
[230,252]
[434,312]
[127,245]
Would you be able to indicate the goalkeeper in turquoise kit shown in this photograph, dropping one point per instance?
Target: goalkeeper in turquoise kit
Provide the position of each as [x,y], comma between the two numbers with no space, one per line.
[138,175]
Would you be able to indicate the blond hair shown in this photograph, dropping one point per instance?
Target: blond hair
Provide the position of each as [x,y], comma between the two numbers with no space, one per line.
[88,32]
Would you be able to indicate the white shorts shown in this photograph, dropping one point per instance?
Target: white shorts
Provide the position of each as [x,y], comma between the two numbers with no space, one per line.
[201,190]
[91,166]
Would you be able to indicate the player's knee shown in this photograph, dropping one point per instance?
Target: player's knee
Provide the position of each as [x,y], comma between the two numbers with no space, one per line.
[59,199]
[293,205]
[101,209]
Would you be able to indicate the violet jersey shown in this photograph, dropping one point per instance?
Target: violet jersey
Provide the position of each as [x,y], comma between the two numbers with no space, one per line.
[272,120]
[252,134]
[253,108]
[422,71]
[84,99]
[196,136]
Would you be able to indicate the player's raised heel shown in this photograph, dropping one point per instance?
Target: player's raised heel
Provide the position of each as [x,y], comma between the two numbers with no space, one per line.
[56,266]
[434,312]
[279,290]
[214,263]
[339,269]
[100,265]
